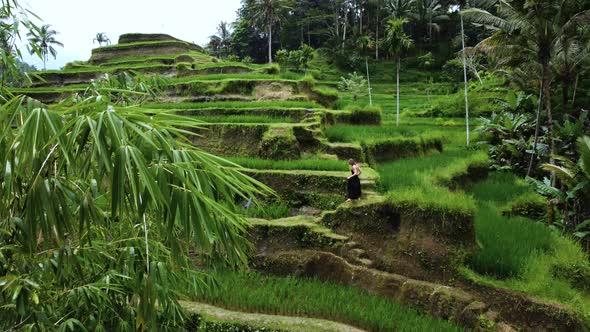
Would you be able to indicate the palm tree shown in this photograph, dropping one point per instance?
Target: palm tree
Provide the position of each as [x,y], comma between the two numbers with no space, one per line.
[570,53]
[42,41]
[399,8]
[215,45]
[429,13]
[364,44]
[101,37]
[267,13]
[534,29]
[224,35]
[396,40]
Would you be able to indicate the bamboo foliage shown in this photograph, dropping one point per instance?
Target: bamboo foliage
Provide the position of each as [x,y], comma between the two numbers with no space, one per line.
[82,182]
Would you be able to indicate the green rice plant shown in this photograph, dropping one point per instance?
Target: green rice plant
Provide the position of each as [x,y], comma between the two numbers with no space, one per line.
[99,69]
[312,298]
[507,244]
[271,210]
[428,201]
[457,174]
[302,164]
[501,188]
[244,119]
[367,134]
[274,104]
[400,147]
[144,43]
[411,172]
[222,77]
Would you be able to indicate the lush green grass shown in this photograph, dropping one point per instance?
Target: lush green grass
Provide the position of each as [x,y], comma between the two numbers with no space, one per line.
[507,244]
[518,253]
[302,164]
[225,77]
[101,69]
[271,210]
[358,134]
[412,172]
[144,43]
[274,104]
[244,119]
[302,297]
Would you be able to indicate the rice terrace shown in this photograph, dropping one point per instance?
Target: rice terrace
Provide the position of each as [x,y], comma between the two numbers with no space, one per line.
[341,165]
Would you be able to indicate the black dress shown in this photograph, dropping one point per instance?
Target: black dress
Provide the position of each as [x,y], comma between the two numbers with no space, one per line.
[354,187]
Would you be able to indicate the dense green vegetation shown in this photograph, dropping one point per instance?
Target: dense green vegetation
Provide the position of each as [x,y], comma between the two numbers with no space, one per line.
[111,209]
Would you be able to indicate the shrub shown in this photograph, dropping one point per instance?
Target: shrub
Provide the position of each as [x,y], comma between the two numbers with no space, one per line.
[233,58]
[247,60]
[354,84]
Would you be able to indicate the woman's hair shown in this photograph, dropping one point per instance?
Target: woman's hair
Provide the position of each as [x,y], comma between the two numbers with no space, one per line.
[351,161]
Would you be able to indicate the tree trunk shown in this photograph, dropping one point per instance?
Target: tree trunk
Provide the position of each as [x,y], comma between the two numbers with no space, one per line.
[537,127]
[430,28]
[270,43]
[575,88]
[565,86]
[465,80]
[361,17]
[397,90]
[345,26]
[377,34]
[547,97]
[369,81]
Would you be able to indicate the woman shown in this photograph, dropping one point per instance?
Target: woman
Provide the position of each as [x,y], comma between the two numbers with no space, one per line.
[354,182]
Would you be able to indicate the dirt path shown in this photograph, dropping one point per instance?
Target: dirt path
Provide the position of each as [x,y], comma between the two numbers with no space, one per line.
[286,323]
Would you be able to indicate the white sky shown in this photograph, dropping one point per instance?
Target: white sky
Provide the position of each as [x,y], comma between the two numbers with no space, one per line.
[78,21]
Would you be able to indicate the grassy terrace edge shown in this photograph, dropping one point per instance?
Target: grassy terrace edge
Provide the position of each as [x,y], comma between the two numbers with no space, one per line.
[312,298]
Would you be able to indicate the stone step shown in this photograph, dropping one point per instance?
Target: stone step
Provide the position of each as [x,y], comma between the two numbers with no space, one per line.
[366,262]
[358,253]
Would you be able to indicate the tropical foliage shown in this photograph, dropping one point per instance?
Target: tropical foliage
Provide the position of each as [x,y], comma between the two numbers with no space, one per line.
[42,41]
[101,38]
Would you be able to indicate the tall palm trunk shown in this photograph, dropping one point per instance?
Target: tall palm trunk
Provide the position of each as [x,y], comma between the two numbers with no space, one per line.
[566,83]
[270,43]
[377,34]
[360,17]
[546,79]
[368,80]
[397,90]
[575,88]
[537,127]
[465,80]
[345,26]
